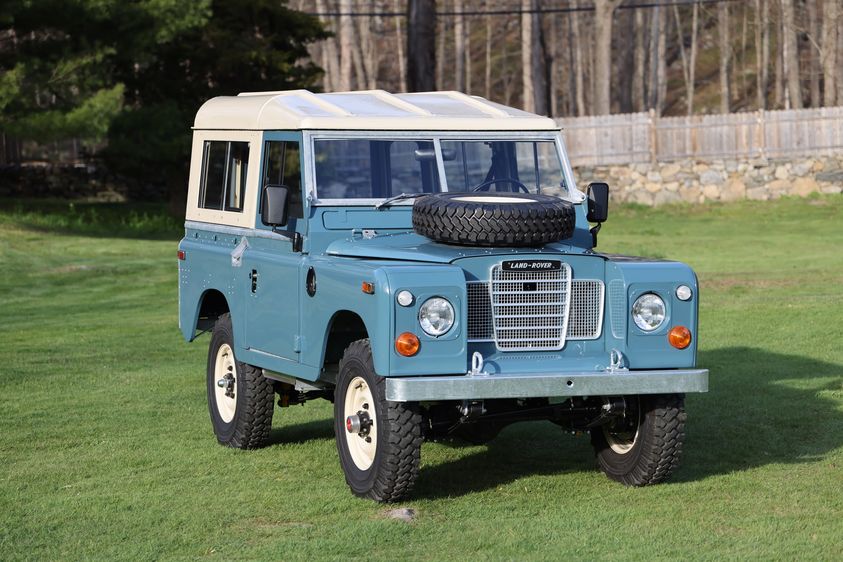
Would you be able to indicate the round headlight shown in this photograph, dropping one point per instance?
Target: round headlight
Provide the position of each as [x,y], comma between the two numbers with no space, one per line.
[436,316]
[683,292]
[648,311]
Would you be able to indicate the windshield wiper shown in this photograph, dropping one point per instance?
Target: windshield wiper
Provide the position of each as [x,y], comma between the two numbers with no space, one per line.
[399,197]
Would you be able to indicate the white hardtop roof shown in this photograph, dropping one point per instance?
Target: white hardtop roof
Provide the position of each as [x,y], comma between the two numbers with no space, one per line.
[366,110]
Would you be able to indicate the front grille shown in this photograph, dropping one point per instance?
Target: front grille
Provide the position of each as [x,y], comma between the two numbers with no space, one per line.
[584,319]
[530,308]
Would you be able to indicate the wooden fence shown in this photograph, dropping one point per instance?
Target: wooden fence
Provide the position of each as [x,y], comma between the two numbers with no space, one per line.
[644,137]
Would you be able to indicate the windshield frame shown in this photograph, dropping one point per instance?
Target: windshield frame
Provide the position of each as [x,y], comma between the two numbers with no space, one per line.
[574,195]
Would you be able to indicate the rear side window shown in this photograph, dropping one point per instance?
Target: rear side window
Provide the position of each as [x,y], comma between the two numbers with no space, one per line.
[224,165]
[282,166]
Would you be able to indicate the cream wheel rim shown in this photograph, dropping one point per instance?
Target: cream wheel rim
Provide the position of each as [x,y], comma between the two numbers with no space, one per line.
[361,446]
[225,383]
[621,441]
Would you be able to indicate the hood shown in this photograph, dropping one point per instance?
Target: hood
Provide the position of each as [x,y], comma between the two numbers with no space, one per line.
[409,246]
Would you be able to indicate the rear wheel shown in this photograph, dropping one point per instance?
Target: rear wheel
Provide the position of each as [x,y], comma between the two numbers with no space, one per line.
[644,445]
[379,442]
[240,398]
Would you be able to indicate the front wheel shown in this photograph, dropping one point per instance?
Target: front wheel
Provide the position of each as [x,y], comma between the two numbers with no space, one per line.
[379,442]
[643,446]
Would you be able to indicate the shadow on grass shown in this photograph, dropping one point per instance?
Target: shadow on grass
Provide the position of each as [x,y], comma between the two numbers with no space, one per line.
[762,408]
[302,432]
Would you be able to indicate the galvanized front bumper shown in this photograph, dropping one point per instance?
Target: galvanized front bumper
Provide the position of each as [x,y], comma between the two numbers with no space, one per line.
[533,385]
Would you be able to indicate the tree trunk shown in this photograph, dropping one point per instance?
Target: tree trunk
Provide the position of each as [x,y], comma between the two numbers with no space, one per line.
[661,54]
[692,66]
[653,85]
[625,66]
[468,56]
[346,34]
[813,52]
[778,76]
[367,29]
[603,14]
[330,57]
[527,85]
[790,55]
[553,105]
[578,60]
[725,54]
[399,43]
[532,60]
[421,45]
[639,100]
[762,54]
[829,52]
[459,47]
[686,71]
[440,52]
[488,69]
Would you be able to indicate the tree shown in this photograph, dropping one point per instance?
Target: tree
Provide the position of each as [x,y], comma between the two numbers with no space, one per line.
[533,69]
[829,51]
[603,13]
[725,54]
[459,46]
[762,50]
[790,55]
[578,66]
[421,41]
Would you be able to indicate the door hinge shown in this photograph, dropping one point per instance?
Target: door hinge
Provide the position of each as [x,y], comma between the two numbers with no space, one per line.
[297,343]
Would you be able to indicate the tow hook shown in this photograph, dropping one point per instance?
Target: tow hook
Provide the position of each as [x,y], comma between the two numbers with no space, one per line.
[359,423]
[227,382]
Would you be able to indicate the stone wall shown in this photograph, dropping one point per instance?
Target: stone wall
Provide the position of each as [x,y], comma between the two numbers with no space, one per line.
[717,180]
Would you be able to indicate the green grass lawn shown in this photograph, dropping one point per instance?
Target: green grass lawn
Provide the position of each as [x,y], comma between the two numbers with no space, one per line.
[108,453]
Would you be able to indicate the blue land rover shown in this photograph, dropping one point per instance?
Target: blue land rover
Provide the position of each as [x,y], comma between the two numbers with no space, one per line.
[427,263]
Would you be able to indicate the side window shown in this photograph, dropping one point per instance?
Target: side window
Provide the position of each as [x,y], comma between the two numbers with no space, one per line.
[282,166]
[223,185]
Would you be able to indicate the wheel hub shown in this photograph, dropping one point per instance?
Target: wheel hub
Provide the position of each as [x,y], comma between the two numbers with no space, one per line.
[359,423]
[227,384]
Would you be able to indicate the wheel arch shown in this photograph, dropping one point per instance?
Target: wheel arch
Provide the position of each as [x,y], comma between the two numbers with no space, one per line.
[211,305]
[344,327]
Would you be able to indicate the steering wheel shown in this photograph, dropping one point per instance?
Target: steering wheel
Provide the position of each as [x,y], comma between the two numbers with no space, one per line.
[484,186]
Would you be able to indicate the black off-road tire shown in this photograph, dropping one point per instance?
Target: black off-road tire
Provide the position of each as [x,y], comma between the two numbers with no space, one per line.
[395,467]
[493,219]
[657,446]
[254,396]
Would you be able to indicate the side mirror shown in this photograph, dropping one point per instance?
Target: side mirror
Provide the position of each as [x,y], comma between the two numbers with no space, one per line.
[598,207]
[598,202]
[274,205]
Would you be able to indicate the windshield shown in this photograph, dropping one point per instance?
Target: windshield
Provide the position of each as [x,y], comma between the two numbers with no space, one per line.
[382,168]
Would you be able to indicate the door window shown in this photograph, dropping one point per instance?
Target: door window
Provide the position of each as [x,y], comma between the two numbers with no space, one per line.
[282,166]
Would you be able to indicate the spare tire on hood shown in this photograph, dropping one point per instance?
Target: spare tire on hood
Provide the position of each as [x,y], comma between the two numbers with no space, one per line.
[493,219]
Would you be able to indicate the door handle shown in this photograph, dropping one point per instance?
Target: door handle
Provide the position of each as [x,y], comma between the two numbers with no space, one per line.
[253,275]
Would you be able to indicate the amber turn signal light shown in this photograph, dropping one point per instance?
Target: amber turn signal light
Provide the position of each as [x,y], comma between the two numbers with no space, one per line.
[679,337]
[407,344]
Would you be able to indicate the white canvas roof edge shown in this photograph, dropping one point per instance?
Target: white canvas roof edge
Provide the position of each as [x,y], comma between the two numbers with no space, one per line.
[364,110]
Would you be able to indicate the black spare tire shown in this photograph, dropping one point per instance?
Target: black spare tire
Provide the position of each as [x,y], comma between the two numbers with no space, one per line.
[493,219]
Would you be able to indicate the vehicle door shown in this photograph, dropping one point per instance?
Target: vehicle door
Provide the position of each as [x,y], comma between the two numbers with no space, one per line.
[273,260]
